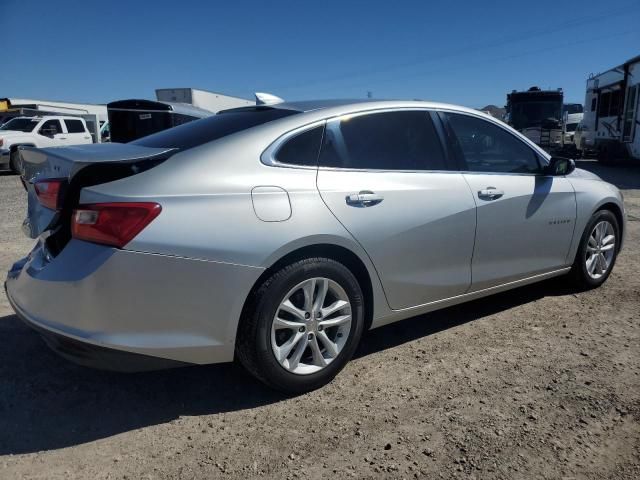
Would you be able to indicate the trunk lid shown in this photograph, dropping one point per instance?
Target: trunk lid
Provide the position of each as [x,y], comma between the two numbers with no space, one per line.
[79,166]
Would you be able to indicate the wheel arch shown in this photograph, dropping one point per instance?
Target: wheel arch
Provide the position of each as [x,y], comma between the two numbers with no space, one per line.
[13,148]
[335,252]
[617,211]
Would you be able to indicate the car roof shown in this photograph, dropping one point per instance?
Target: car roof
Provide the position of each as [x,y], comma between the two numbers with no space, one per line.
[363,104]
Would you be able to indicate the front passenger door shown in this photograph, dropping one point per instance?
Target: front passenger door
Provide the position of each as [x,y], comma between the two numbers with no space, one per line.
[51,134]
[525,218]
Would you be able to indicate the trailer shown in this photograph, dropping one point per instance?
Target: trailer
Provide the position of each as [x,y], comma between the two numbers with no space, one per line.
[135,118]
[611,118]
[538,115]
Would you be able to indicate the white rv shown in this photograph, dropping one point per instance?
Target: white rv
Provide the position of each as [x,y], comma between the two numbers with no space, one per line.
[611,113]
[573,114]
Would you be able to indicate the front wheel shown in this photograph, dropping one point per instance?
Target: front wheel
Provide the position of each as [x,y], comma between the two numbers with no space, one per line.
[302,325]
[597,251]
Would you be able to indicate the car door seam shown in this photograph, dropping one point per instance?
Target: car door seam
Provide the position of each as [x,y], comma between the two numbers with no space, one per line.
[475,232]
[375,269]
[575,222]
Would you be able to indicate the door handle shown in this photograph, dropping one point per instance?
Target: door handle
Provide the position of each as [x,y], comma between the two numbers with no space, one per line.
[490,193]
[364,198]
[62,138]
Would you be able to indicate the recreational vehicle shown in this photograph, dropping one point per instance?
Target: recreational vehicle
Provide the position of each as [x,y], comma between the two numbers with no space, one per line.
[537,114]
[610,123]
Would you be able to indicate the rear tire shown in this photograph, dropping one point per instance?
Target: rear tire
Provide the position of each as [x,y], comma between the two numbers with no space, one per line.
[597,251]
[285,341]
[13,162]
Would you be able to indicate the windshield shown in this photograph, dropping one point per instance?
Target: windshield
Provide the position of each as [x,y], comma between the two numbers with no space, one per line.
[20,124]
[571,127]
[202,131]
[534,114]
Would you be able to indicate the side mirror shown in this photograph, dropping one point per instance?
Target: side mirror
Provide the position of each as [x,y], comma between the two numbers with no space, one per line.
[559,166]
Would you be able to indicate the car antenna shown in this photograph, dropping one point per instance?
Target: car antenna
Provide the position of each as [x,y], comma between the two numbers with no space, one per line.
[267,99]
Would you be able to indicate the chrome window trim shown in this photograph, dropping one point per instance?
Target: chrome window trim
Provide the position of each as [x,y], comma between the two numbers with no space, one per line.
[268,155]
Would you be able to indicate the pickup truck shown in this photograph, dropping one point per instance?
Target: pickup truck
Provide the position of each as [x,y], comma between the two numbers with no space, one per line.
[40,132]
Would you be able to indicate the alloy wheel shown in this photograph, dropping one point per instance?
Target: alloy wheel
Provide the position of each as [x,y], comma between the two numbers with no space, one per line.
[600,249]
[311,326]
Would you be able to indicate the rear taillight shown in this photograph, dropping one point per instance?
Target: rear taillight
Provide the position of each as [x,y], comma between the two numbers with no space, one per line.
[112,223]
[49,192]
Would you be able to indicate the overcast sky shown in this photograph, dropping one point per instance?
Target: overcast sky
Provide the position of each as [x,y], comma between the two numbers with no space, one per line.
[461,52]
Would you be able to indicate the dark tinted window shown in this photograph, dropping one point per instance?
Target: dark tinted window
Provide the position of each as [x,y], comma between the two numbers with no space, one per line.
[603,105]
[489,148]
[404,140]
[51,127]
[302,149]
[212,128]
[615,108]
[74,126]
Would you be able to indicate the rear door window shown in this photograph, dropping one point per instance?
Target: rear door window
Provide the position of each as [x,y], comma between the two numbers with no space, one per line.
[397,140]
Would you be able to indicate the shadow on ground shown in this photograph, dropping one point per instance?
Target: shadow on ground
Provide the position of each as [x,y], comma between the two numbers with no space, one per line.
[48,403]
[625,175]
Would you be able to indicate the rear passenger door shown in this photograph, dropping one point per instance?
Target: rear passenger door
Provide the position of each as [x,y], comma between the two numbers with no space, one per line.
[385,176]
[77,133]
[525,218]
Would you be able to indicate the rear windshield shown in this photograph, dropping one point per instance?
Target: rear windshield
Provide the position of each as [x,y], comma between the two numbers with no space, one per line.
[20,124]
[212,128]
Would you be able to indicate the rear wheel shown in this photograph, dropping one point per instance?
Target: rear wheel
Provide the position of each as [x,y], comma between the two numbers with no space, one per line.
[13,162]
[302,325]
[597,251]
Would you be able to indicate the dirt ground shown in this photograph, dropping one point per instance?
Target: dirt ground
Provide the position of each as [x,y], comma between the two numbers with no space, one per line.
[539,382]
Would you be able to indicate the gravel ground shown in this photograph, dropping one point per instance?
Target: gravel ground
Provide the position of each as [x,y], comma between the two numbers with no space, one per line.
[538,382]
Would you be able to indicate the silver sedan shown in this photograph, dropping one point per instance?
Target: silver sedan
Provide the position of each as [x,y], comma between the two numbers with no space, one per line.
[277,234]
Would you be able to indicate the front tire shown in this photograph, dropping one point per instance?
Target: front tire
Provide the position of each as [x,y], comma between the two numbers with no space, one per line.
[302,325]
[597,251]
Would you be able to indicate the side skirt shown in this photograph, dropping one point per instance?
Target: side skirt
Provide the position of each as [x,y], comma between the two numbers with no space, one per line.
[398,315]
